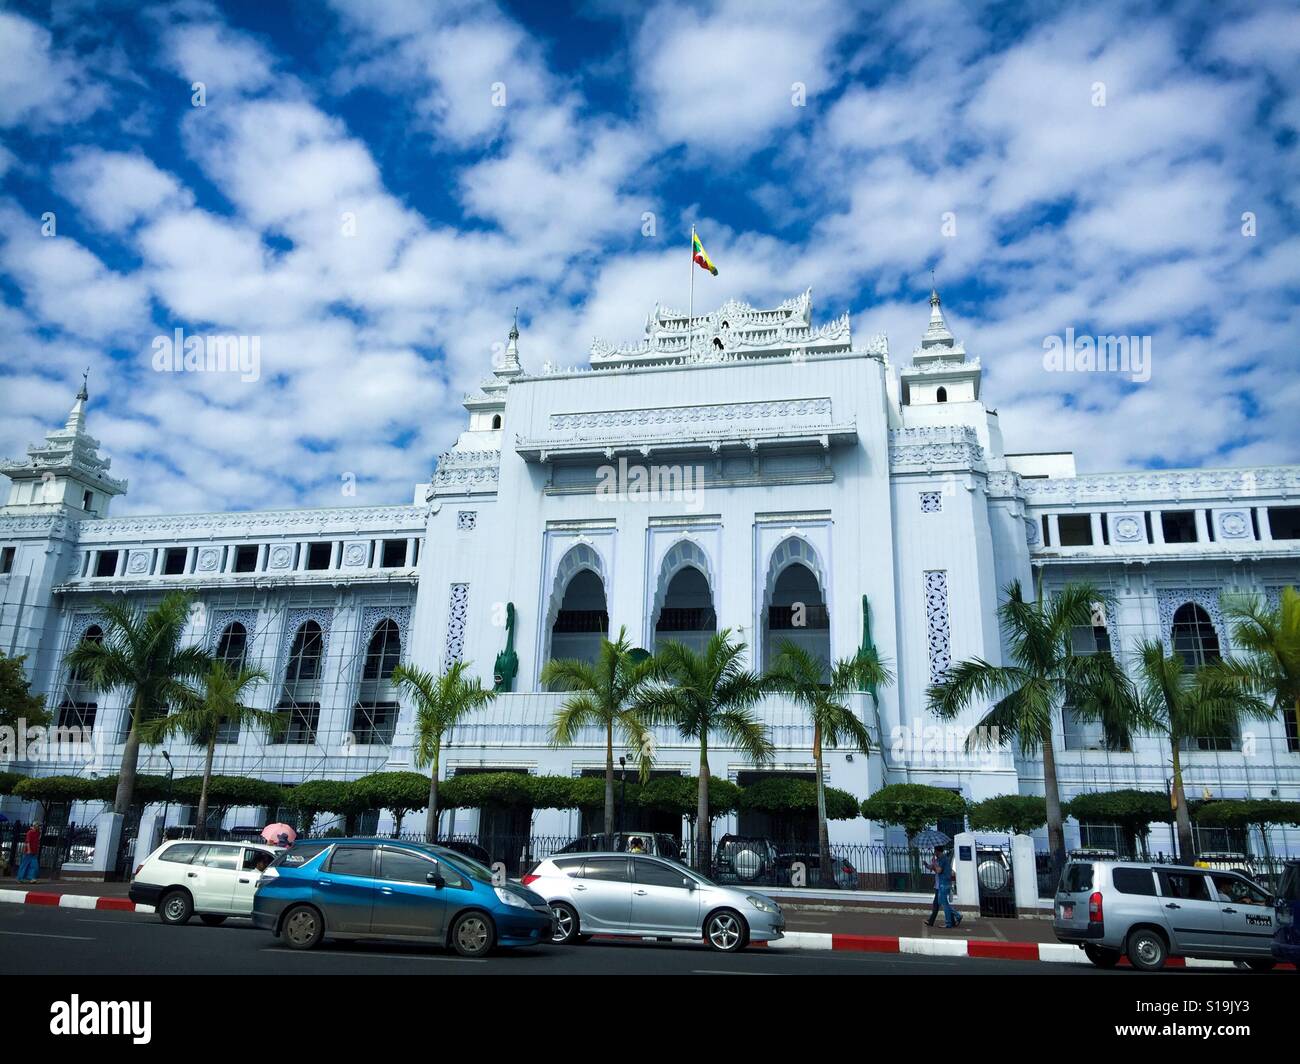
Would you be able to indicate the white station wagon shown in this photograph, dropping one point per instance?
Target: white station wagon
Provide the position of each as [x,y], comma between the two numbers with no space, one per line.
[213,879]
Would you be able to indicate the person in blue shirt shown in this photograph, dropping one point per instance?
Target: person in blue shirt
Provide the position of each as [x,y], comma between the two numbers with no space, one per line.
[941,866]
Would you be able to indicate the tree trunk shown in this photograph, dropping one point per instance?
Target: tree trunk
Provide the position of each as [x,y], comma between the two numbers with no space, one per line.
[201,826]
[130,757]
[1186,847]
[431,823]
[826,871]
[1052,792]
[609,784]
[703,823]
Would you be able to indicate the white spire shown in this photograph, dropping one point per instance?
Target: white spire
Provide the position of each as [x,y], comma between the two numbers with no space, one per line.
[77,415]
[937,334]
[511,366]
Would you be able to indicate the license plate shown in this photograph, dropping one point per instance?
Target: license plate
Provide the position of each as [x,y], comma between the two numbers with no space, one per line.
[1067,912]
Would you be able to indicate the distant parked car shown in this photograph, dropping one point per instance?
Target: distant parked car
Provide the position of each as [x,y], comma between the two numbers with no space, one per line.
[846,876]
[211,879]
[655,843]
[469,849]
[1151,912]
[638,896]
[745,859]
[394,890]
[1286,909]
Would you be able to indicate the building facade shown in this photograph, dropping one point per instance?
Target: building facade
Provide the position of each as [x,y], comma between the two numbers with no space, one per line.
[746,469]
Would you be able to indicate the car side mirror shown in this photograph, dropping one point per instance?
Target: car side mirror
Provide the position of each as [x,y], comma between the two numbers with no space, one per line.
[688,882]
[436,879]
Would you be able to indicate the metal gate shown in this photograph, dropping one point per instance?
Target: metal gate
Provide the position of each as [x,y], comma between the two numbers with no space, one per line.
[993,871]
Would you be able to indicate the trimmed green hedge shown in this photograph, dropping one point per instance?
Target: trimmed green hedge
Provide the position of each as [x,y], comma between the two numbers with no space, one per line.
[1131,809]
[913,806]
[1248,812]
[783,795]
[1019,814]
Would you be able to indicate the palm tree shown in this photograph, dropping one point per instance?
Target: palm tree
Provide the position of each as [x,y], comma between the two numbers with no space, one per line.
[441,702]
[202,713]
[1044,674]
[822,691]
[142,652]
[604,693]
[1183,704]
[1271,642]
[702,695]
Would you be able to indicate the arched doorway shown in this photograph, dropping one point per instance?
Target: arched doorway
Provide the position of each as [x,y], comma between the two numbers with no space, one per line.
[795,606]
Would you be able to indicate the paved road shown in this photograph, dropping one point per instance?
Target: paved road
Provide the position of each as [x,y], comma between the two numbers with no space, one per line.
[35,940]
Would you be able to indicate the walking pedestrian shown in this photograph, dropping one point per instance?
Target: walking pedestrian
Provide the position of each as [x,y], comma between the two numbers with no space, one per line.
[30,866]
[941,866]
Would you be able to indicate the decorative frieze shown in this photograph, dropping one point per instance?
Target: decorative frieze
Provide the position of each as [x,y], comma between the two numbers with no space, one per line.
[781,410]
[457,617]
[338,520]
[938,636]
[1154,485]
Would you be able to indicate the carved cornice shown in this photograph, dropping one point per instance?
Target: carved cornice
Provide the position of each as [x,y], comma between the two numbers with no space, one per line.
[1155,485]
[950,446]
[462,471]
[338,520]
[704,414]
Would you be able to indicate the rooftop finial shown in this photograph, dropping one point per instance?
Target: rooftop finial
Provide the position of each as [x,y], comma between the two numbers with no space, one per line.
[83,395]
[514,329]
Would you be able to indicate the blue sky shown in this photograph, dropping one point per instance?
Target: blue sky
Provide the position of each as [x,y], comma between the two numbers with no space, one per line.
[1115,169]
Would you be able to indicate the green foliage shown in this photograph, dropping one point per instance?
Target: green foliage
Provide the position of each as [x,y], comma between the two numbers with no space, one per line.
[398,792]
[1248,812]
[16,699]
[495,790]
[147,789]
[9,780]
[313,797]
[551,792]
[51,789]
[913,806]
[1130,809]
[1016,813]
[228,792]
[781,795]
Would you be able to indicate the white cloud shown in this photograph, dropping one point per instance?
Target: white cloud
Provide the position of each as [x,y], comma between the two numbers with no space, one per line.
[39,86]
[117,189]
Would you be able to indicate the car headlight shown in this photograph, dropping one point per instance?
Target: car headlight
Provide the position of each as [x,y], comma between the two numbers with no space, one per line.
[509,897]
[761,904]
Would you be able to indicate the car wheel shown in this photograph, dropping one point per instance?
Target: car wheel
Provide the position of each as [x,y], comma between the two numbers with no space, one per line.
[1261,965]
[211,919]
[1147,950]
[472,935]
[1102,957]
[726,931]
[303,928]
[175,907]
[566,924]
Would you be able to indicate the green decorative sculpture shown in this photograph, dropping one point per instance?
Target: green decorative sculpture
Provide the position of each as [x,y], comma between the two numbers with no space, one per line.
[507,663]
[868,648]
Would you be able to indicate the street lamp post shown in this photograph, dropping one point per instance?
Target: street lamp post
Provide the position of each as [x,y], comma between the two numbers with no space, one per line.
[171,772]
[622,798]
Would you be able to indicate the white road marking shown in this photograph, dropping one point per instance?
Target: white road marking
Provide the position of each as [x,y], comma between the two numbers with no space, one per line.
[34,934]
[363,956]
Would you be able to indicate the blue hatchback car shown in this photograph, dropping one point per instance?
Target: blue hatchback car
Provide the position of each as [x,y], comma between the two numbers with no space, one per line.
[393,890]
[1286,907]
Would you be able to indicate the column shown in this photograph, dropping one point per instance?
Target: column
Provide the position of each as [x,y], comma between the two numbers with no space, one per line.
[336,550]
[262,549]
[1157,529]
[1202,528]
[1095,520]
[1054,529]
[1265,529]
[120,569]
[410,552]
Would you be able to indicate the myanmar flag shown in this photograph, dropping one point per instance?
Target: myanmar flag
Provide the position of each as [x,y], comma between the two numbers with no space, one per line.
[701,256]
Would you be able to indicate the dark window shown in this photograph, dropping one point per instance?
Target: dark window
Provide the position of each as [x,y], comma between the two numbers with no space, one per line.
[87,500]
[374,722]
[305,654]
[496,421]
[222,857]
[7,560]
[1232,888]
[1076,878]
[246,558]
[352,861]
[941,396]
[181,853]
[581,621]
[1194,636]
[1047,531]
[251,857]
[571,867]
[77,715]
[301,853]
[383,653]
[298,722]
[393,554]
[318,555]
[232,647]
[174,561]
[1289,890]
[606,869]
[106,564]
[1075,530]
[1284,522]
[1190,886]
[401,867]
[1179,526]
[1134,881]
[654,874]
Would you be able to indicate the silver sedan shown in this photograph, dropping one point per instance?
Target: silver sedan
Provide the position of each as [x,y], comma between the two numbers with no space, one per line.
[639,896]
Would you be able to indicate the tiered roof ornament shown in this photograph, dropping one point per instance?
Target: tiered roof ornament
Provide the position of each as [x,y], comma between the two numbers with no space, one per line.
[940,361]
[735,331]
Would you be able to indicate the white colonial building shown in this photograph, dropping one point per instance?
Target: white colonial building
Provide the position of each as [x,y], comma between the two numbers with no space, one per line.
[747,469]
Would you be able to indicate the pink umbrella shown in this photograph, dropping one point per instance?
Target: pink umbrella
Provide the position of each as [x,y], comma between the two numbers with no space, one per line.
[281,834]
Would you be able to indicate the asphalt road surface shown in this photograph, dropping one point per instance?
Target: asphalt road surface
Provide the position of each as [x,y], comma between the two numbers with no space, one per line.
[47,941]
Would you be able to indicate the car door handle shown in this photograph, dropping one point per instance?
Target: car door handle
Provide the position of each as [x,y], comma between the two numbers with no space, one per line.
[192,875]
[1173,905]
[579,886]
[242,880]
[385,890]
[638,892]
[1230,910]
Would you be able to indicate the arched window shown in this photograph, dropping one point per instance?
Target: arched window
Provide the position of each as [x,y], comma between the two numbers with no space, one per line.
[496,421]
[1194,637]
[687,615]
[374,717]
[78,708]
[796,605]
[298,705]
[1086,640]
[232,646]
[941,396]
[582,620]
[384,652]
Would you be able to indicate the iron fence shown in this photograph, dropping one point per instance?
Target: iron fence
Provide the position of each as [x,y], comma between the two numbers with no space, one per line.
[60,844]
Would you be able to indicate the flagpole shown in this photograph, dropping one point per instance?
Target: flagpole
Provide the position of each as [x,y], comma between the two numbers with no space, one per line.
[690,314]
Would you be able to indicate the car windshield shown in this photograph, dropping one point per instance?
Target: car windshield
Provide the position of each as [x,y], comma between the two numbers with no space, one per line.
[468,865]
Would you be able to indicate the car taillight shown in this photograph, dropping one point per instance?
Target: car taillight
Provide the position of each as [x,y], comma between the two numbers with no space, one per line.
[529,878]
[1094,908]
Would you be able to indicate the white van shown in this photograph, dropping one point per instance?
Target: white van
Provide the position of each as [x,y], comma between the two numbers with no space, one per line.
[213,879]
